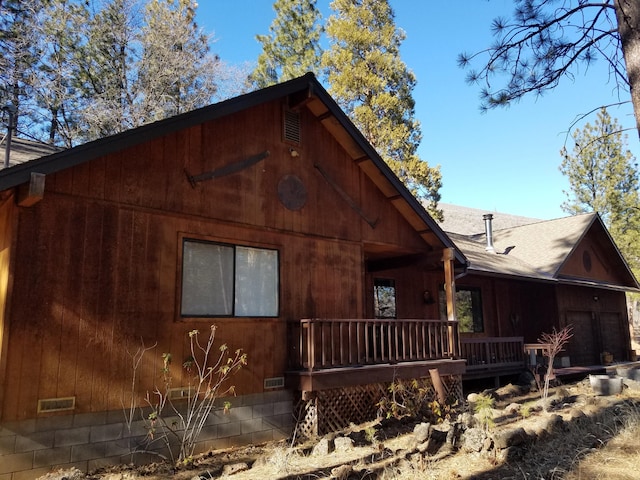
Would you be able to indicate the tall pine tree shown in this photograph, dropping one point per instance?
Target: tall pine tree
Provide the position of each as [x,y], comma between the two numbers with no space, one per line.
[18,57]
[603,178]
[292,47]
[373,85]
[106,71]
[177,72]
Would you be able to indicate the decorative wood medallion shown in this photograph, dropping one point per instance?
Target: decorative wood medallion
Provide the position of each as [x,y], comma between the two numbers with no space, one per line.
[292,192]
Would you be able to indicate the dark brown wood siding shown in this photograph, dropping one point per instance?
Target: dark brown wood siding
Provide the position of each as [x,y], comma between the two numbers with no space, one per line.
[98,269]
[514,307]
[600,323]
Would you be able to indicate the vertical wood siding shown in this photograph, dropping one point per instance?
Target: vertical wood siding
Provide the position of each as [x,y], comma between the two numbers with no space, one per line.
[98,270]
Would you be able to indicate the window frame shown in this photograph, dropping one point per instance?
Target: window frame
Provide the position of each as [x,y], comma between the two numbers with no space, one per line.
[380,282]
[184,239]
[477,308]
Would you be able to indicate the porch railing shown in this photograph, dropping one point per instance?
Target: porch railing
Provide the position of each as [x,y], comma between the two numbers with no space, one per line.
[492,353]
[333,343]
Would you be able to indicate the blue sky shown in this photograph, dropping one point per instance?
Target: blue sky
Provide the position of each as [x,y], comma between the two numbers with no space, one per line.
[505,160]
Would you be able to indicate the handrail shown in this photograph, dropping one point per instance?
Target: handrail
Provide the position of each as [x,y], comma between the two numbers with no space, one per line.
[333,343]
[493,352]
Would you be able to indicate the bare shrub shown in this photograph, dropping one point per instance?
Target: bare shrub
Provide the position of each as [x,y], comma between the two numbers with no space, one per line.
[180,423]
[555,341]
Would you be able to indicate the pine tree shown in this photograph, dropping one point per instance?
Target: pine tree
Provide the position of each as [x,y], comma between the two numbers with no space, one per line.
[106,70]
[18,56]
[60,26]
[603,178]
[292,47]
[177,72]
[545,41]
[372,84]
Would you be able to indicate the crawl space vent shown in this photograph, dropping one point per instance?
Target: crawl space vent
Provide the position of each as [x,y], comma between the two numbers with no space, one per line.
[291,132]
[180,392]
[275,382]
[56,404]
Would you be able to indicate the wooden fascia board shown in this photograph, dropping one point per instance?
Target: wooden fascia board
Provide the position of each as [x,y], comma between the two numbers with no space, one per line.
[19,174]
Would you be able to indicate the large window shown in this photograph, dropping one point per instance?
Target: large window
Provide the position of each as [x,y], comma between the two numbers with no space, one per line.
[468,309]
[220,280]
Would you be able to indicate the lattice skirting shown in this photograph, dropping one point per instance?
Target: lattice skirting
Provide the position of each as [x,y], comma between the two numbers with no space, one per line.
[331,410]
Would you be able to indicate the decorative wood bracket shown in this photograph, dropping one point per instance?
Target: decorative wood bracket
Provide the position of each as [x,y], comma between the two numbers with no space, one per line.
[31,193]
[346,197]
[227,169]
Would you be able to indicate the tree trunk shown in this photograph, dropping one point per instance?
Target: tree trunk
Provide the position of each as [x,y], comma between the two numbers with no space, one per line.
[628,16]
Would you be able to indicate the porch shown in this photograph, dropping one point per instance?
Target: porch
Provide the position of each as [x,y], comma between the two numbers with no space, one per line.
[493,356]
[336,353]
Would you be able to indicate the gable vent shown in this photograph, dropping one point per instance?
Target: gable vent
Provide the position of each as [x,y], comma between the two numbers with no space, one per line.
[275,382]
[291,127]
[56,404]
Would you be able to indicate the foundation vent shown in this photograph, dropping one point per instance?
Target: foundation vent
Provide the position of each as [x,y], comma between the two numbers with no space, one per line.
[56,404]
[275,382]
[291,128]
[180,392]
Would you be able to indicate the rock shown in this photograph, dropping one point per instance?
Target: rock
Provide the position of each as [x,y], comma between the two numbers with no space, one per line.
[473,439]
[234,468]
[62,474]
[468,420]
[343,444]
[512,408]
[342,472]
[323,447]
[554,423]
[421,432]
[509,390]
[510,438]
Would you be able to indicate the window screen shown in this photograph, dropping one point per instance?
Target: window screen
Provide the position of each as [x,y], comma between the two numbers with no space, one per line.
[228,280]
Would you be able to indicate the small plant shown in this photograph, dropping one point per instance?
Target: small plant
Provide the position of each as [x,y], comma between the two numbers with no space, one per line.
[370,435]
[442,412]
[526,410]
[405,399]
[483,408]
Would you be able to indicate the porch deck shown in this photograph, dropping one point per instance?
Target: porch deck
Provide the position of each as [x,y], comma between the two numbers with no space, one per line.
[333,353]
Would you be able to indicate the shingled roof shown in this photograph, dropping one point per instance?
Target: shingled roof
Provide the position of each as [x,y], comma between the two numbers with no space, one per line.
[534,249]
[23,150]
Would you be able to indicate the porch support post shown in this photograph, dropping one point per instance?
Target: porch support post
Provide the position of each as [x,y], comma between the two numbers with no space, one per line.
[448,258]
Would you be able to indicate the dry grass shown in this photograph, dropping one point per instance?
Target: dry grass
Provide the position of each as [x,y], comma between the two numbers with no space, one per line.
[619,458]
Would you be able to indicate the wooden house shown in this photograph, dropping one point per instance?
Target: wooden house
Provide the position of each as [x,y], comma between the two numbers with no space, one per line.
[268,215]
[527,277]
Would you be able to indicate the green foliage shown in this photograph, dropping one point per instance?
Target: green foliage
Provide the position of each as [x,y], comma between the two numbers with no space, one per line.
[411,399]
[374,87]
[483,408]
[603,178]
[78,71]
[444,411]
[292,47]
[541,43]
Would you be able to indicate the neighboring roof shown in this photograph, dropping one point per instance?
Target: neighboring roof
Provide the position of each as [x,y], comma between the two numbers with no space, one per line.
[23,150]
[536,250]
[468,221]
[305,90]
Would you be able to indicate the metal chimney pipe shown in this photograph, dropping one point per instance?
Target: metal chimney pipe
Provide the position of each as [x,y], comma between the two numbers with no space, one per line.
[488,230]
[11,110]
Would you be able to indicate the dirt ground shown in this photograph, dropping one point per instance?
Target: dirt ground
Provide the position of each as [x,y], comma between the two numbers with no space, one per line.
[596,438]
